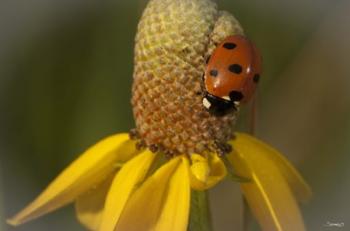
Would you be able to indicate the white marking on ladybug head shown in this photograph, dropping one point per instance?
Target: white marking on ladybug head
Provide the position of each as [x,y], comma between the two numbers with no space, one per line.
[226,97]
[206,103]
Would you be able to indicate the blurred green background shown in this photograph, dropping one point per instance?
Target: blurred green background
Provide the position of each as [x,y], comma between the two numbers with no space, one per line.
[65,78]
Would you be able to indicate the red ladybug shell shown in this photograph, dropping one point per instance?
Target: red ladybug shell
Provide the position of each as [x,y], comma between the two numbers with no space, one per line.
[233,70]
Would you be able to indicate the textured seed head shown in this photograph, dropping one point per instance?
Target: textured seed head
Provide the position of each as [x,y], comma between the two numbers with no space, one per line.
[173,40]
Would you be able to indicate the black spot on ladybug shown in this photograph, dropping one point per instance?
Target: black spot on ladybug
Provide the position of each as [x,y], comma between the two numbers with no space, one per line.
[214,73]
[207,61]
[236,96]
[256,78]
[235,68]
[229,46]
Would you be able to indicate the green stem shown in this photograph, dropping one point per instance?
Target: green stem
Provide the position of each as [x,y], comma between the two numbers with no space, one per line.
[200,217]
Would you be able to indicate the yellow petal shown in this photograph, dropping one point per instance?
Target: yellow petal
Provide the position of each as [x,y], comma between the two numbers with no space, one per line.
[89,206]
[92,167]
[129,176]
[175,211]
[206,172]
[144,207]
[268,194]
[300,188]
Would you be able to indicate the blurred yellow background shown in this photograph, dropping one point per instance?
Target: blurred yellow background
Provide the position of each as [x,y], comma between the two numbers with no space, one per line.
[65,77]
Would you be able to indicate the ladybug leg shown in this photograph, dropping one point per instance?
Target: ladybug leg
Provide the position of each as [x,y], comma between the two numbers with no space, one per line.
[202,92]
[222,148]
[199,93]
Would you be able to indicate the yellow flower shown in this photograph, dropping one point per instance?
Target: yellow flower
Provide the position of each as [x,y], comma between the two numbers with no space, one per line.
[116,187]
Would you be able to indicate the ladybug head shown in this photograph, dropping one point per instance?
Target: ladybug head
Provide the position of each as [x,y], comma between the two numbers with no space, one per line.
[218,106]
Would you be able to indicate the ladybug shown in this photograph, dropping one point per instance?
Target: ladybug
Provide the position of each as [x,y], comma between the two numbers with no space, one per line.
[231,75]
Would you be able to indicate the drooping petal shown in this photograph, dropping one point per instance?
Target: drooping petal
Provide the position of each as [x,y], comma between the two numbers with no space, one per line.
[129,176]
[206,172]
[269,194]
[144,208]
[92,167]
[297,183]
[175,211]
[89,206]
